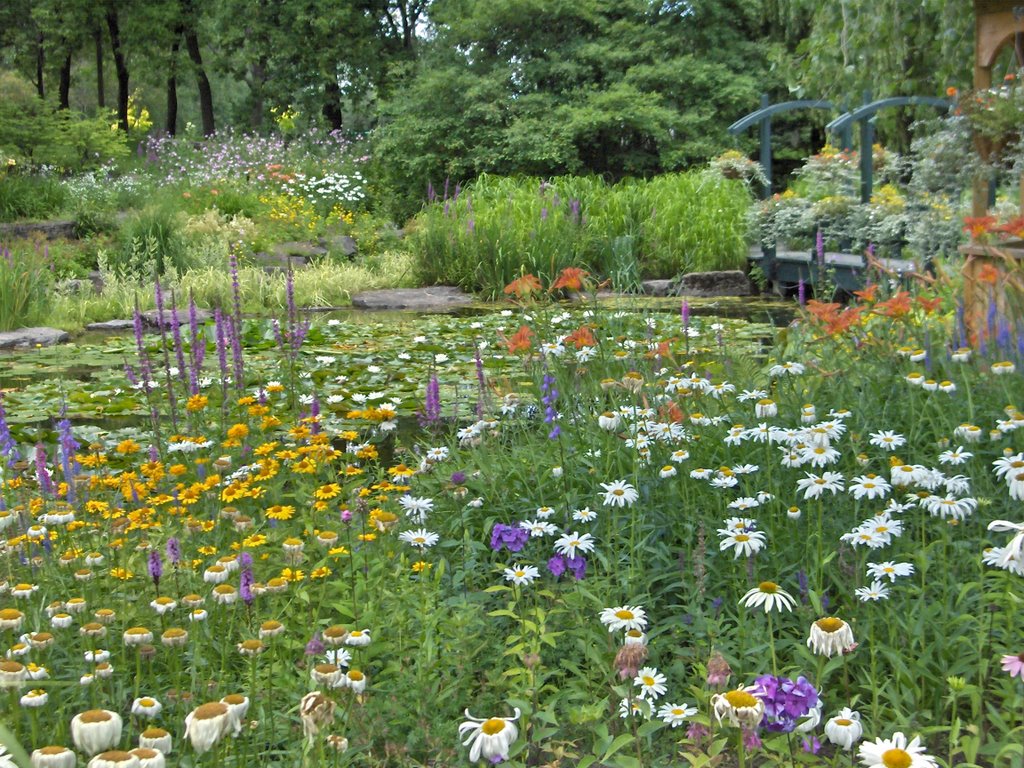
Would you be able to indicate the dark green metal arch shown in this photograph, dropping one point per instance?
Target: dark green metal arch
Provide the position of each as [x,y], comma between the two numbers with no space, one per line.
[865,115]
[763,118]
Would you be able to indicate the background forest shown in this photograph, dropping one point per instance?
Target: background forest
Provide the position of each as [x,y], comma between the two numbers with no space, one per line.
[455,88]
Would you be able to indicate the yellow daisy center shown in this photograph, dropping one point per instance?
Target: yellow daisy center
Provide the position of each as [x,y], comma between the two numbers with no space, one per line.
[146,702]
[896,758]
[493,726]
[740,699]
[741,537]
[843,722]
[617,492]
[648,680]
[768,586]
[624,615]
[830,624]
[210,711]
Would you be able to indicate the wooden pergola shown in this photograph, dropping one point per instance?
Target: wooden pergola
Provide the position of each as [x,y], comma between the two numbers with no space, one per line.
[993,279]
[997,23]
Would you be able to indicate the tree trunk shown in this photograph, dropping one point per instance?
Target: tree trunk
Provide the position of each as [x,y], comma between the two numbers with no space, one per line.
[257,81]
[101,99]
[172,87]
[40,60]
[202,81]
[65,83]
[120,66]
[332,104]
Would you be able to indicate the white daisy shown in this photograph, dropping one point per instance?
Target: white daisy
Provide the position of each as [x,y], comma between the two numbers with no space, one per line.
[770,595]
[896,752]
[889,570]
[676,714]
[877,591]
[521,574]
[651,683]
[619,494]
[624,617]
[420,538]
[570,543]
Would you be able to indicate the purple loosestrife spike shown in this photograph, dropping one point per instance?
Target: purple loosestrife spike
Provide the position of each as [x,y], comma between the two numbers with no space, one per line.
[156,567]
[42,473]
[684,313]
[245,582]
[222,346]
[8,448]
[245,560]
[179,348]
[173,549]
[801,292]
[236,288]
[481,382]
[235,335]
[819,249]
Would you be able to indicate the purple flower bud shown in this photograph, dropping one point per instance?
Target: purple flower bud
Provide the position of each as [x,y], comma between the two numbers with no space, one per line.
[346,516]
[458,478]
[314,647]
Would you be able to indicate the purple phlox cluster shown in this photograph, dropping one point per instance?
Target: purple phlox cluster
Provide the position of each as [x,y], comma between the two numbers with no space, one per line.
[577,566]
[785,701]
[510,537]
[431,413]
[549,398]
[155,566]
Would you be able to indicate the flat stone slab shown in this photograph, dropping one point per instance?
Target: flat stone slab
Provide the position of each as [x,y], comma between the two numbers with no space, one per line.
[297,249]
[434,297]
[111,325]
[152,318]
[52,230]
[659,287]
[32,337]
[731,282]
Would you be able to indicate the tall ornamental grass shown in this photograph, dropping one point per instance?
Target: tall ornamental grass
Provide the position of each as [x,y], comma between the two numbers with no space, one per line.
[484,236]
[25,283]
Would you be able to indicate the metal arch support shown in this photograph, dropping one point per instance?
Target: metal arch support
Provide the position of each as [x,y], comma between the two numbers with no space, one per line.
[847,120]
[763,119]
[767,111]
[864,115]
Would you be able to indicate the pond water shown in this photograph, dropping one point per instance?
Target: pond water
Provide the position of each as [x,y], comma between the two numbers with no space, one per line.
[348,358]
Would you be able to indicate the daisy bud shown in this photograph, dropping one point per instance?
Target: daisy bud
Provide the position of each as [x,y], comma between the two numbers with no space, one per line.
[629,659]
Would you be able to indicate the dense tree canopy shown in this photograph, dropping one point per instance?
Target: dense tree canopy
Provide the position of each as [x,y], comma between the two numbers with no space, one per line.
[453,88]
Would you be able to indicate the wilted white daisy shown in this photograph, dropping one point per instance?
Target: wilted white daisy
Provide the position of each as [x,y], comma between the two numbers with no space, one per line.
[619,494]
[844,730]
[830,636]
[739,708]
[770,595]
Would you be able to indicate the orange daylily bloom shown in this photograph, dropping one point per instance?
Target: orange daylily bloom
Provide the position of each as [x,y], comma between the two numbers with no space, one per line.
[524,286]
[987,274]
[868,294]
[571,278]
[581,337]
[979,226]
[929,305]
[897,306]
[520,340]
